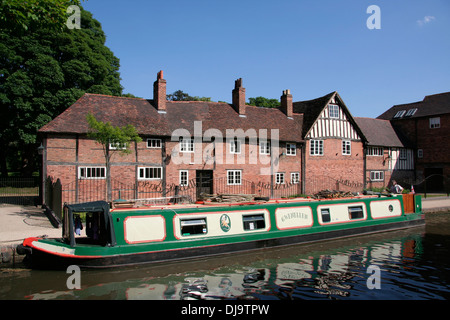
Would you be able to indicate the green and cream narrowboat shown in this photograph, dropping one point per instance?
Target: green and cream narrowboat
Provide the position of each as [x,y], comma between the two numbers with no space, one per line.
[120,236]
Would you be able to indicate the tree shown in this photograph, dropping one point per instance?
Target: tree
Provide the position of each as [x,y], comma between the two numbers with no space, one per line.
[179,95]
[264,102]
[44,68]
[113,140]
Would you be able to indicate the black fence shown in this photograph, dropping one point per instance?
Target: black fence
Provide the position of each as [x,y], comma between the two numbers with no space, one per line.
[19,191]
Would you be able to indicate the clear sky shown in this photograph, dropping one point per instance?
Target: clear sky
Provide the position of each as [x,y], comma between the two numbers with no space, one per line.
[310,47]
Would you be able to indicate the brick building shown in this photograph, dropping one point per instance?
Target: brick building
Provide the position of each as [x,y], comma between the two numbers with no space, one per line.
[425,125]
[213,147]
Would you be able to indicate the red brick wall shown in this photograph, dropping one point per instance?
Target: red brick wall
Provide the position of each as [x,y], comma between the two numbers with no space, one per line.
[323,171]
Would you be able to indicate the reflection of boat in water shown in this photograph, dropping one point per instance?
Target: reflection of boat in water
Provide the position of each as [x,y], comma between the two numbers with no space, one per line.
[124,236]
[285,275]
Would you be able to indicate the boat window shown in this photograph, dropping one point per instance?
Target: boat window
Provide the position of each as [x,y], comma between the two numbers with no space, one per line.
[193,226]
[356,212]
[254,221]
[325,215]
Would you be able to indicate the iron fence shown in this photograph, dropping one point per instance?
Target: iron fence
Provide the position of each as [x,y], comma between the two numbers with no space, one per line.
[19,191]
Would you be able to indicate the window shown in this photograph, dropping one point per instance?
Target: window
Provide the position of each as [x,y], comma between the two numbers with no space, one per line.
[326,217]
[333,111]
[411,112]
[346,147]
[186,145]
[234,177]
[264,147]
[153,143]
[375,151]
[403,154]
[420,153]
[117,146]
[435,123]
[316,148]
[193,226]
[150,173]
[254,221]
[355,212]
[235,146]
[399,114]
[184,177]
[295,177]
[376,175]
[92,173]
[279,178]
[291,149]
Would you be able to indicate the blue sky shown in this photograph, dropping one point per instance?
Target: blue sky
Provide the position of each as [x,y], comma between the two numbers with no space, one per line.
[310,47]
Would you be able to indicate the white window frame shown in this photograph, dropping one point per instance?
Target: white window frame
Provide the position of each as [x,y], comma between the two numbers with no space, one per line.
[235,146]
[234,177]
[411,112]
[333,111]
[279,178]
[184,178]
[420,153]
[435,123]
[295,177]
[187,145]
[375,151]
[264,147]
[316,147]
[150,173]
[376,175]
[118,146]
[154,143]
[346,147]
[399,114]
[91,172]
[291,149]
[403,154]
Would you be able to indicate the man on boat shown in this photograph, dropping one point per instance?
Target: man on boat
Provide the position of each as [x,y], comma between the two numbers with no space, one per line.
[396,188]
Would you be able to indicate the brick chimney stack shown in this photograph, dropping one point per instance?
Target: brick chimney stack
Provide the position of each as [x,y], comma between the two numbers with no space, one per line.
[286,103]
[159,92]
[239,97]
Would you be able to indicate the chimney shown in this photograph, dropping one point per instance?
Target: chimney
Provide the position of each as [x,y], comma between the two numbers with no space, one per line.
[239,97]
[286,103]
[159,92]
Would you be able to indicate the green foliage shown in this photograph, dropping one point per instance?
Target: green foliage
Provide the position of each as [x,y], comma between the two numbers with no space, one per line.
[106,134]
[179,95]
[264,102]
[43,70]
[20,15]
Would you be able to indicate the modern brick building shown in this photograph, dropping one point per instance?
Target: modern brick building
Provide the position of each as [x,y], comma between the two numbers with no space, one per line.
[213,147]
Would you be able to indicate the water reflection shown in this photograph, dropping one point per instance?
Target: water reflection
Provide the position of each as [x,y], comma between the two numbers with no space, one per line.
[329,270]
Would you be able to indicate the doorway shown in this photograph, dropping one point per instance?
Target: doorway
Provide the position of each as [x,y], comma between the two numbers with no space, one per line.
[204,179]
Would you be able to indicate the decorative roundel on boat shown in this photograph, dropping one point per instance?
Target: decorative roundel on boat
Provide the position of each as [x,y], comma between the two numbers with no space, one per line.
[225,223]
[391,208]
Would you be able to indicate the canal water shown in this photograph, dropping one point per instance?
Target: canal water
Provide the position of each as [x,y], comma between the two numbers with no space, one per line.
[397,265]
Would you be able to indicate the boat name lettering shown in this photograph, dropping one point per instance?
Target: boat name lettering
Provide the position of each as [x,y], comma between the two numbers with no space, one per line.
[294,215]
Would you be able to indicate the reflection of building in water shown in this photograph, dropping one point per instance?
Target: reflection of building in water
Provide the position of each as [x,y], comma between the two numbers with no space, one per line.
[327,274]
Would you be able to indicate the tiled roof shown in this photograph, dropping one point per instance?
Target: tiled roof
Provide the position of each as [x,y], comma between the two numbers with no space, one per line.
[142,114]
[379,132]
[431,105]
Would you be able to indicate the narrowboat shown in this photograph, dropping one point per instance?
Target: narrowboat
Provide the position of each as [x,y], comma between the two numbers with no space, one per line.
[120,234]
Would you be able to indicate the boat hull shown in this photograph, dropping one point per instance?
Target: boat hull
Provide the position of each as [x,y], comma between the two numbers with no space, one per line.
[43,259]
